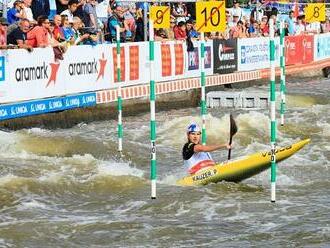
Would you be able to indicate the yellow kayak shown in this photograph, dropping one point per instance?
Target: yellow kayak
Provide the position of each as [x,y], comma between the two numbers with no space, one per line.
[240,169]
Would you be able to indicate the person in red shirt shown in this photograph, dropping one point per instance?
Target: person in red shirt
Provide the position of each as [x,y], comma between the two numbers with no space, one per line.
[38,36]
[180,32]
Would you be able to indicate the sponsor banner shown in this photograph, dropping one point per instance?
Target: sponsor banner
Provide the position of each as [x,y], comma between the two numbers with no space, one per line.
[11,111]
[225,56]
[293,50]
[253,53]
[193,62]
[322,46]
[308,49]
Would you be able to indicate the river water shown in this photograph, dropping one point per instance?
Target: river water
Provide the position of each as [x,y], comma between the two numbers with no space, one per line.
[69,188]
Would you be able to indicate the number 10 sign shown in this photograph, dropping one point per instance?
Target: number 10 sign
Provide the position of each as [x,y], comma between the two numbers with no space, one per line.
[211,16]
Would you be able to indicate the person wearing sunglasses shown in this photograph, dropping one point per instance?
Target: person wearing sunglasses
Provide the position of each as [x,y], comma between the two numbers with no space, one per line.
[38,36]
[196,156]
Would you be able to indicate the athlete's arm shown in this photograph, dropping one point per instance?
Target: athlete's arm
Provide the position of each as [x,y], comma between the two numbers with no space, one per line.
[210,148]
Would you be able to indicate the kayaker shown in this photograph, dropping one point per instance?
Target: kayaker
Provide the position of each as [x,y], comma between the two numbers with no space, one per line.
[195,155]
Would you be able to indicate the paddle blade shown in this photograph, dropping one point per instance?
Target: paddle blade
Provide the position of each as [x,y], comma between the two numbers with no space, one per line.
[233,131]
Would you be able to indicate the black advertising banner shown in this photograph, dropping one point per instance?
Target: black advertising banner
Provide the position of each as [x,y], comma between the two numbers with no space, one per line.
[225,56]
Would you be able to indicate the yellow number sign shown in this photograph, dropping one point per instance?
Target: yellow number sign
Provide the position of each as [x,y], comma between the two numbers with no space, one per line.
[210,16]
[315,12]
[160,16]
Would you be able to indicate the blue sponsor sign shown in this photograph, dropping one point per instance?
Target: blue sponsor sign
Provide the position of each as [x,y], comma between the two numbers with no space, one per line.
[10,111]
[323,47]
[2,68]
[193,60]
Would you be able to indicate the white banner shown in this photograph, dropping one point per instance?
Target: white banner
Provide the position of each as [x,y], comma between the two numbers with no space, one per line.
[253,53]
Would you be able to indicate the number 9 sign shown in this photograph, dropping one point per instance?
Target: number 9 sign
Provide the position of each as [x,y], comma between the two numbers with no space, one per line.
[210,16]
[160,16]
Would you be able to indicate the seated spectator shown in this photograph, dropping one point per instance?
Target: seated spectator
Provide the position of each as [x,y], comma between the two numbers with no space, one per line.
[239,31]
[66,29]
[160,35]
[117,19]
[169,31]
[253,29]
[3,33]
[38,36]
[16,13]
[57,31]
[180,31]
[179,11]
[72,7]
[19,35]
[78,36]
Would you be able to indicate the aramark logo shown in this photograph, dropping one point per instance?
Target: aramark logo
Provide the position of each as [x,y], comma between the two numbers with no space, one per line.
[26,74]
[89,67]
[224,54]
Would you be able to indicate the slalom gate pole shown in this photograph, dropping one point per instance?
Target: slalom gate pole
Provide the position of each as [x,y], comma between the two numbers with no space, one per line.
[272,110]
[203,102]
[119,97]
[152,93]
[282,65]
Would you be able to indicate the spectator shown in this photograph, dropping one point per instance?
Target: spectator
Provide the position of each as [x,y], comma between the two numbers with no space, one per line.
[191,32]
[160,35]
[72,7]
[28,11]
[180,31]
[19,35]
[291,23]
[263,27]
[313,28]
[170,31]
[66,29]
[90,10]
[16,13]
[38,36]
[239,31]
[300,27]
[139,31]
[3,32]
[129,10]
[61,5]
[40,8]
[77,25]
[253,29]
[117,19]
[57,31]
[180,13]
[325,26]
[257,12]
[236,10]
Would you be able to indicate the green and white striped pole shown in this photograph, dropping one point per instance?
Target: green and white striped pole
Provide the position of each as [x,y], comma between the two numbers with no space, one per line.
[152,93]
[119,98]
[203,80]
[282,65]
[272,110]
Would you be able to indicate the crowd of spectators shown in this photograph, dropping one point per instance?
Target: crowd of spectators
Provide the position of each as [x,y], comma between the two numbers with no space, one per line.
[91,22]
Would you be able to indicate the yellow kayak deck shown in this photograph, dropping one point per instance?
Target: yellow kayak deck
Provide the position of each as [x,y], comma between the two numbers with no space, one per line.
[240,169]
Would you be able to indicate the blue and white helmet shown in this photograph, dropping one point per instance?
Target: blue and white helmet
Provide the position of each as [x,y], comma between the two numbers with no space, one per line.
[193,127]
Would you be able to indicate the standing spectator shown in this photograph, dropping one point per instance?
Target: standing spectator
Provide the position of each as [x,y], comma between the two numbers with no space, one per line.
[61,5]
[179,11]
[72,7]
[169,31]
[90,10]
[257,12]
[139,31]
[236,10]
[19,35]
[239,31]
[38,36]
[28,11]
[40,8]
[16,13]
[263,27]
[291,23]
[300,26]
[129,10]
[180,31]
[117,19]
[191,32]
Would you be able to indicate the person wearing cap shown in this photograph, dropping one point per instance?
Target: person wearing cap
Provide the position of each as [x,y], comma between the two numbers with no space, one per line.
[16,13]
[72,7]
[3,33]
[195,155]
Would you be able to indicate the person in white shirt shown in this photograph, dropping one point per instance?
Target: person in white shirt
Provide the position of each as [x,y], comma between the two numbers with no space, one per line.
[28,11]
[72,7]
[313,28]
[300,27]
[236,10]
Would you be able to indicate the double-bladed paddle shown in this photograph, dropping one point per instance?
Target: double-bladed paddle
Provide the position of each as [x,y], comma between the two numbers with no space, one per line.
[233,131]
